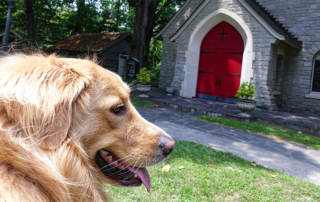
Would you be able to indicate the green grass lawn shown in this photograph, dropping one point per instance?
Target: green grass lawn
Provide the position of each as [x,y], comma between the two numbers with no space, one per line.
[209,175]
[139,103]
[264,129]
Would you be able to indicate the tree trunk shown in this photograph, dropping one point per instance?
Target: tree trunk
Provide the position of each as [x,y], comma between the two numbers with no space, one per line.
[29,20]
[153,5]
[118,13]
[111,15]
[139,30]
[80,5]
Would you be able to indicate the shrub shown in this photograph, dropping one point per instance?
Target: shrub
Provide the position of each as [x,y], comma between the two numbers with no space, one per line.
[246,91]
[144,76]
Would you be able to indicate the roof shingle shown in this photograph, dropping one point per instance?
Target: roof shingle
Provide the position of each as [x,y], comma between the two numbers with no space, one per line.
[89,42]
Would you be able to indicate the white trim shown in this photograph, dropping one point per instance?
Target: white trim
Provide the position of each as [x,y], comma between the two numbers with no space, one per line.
[172,19]
[195,14]
[189,84]
[317,56]
[292,44]
[262,21]
[125,69]
[273,32]
[313,95]
[247,6]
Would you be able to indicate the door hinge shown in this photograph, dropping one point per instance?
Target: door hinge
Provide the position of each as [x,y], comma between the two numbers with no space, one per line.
[205,52]
[202,72]
[238,75]
[236,53]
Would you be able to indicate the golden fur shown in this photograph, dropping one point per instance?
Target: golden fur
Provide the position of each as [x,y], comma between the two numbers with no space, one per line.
[55,115]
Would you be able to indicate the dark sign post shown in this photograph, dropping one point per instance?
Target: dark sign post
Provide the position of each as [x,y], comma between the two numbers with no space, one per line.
[133,67]
[5,46]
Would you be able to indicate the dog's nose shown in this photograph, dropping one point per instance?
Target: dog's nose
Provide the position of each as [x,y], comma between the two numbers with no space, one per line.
[167,146]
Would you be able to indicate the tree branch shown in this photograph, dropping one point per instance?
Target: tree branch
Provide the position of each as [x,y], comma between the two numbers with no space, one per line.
[135,3]
[163,8]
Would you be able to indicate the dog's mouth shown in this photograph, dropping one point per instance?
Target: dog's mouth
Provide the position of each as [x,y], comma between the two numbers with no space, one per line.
[127,175]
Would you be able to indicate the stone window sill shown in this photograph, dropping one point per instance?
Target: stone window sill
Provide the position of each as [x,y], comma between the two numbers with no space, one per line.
[313,95]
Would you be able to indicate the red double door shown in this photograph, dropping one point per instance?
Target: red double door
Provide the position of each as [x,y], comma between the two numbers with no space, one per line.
[220,64]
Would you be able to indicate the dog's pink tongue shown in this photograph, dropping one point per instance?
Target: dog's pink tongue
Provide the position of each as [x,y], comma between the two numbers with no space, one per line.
[144,176]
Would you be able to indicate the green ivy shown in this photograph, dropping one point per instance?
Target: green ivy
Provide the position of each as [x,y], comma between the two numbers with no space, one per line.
[246,91]
[144,76]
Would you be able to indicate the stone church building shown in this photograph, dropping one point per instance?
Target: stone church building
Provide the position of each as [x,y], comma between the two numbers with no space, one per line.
[211,46]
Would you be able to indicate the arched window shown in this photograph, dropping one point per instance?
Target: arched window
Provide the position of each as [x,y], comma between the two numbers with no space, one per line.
[315,82]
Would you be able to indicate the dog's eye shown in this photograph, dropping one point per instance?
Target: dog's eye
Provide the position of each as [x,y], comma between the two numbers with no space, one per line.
[117,109]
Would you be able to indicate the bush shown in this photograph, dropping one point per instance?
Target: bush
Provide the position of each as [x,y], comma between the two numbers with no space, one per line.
[153,61]
[144,76]
[246,91]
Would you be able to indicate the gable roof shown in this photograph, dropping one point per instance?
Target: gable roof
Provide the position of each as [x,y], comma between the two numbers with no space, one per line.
[272,21]
[260,13]
[172,19]
[90,42]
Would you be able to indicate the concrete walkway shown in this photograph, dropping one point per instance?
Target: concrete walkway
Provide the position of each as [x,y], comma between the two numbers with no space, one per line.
[306,122]
[286,157]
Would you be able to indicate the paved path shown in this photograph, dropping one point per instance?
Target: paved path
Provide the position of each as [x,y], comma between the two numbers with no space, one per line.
[286,157]
[307,122]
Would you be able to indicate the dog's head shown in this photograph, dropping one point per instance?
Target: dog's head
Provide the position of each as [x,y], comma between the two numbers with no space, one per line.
[80,101]
[119,140]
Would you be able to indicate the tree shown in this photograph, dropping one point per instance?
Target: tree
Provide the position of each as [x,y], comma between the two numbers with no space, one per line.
[46,22]
[139,29]
[120,12]
[3,13]
[160,13]
[150,17]
[29,20]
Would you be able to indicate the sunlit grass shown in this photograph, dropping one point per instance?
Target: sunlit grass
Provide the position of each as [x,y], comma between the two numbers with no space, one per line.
[140,103]
[260,128]
[209,175]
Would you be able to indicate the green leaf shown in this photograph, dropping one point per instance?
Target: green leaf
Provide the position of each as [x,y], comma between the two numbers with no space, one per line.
[246,91]
[144,76]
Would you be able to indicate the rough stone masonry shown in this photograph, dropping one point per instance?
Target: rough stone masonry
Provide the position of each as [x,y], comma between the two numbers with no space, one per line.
[282,73]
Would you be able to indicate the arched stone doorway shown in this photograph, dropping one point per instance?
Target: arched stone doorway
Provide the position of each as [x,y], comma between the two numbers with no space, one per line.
[191,67]
[220,64]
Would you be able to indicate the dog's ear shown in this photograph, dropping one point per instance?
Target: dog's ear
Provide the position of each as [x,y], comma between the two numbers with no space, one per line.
[54,133]
[70,90]
[39,99]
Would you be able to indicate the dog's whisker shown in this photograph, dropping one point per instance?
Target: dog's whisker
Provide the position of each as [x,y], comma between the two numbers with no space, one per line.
[121,159]
[132,172]
[134,167]
[109,165]
[120,164]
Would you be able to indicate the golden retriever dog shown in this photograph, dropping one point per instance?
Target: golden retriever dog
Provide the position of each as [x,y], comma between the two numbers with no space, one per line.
[66,127]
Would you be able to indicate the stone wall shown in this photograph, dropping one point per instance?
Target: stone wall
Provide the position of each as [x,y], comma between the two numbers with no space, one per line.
[291,78]
[167,64]
[302,19]
[169,53]
[262,42]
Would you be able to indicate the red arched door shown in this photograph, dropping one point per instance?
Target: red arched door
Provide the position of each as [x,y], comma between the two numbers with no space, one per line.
[220,64]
